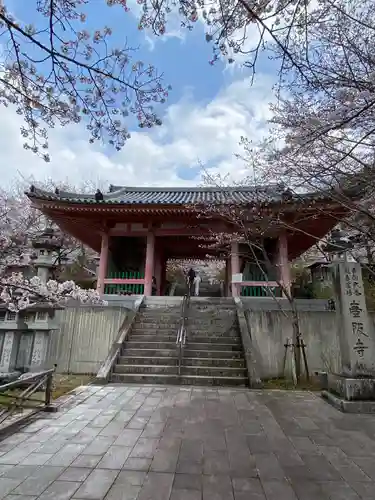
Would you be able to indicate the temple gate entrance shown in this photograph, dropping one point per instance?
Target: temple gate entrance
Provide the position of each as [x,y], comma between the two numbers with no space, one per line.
[137,230]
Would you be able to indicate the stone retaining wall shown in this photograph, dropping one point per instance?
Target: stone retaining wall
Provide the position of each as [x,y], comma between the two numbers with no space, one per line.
[87,333]
[270,327]
[85,337]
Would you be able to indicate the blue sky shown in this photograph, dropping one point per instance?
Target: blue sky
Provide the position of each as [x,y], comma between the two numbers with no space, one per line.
[207,111]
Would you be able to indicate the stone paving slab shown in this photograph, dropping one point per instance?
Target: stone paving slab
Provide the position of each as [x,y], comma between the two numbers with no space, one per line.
[181,443]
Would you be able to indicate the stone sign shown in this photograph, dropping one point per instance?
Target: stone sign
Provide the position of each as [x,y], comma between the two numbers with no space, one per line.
[39,350]
[358,354]
[24,350]
[7,358]
[237,278]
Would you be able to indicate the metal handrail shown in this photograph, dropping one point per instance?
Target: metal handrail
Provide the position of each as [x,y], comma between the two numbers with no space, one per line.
[33,382]
[181,333]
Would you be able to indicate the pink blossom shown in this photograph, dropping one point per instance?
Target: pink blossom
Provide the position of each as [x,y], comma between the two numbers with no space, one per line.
[18,293]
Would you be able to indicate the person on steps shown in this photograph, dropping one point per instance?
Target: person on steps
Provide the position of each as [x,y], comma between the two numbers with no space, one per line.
[190,278]
[197,281]
[154,286]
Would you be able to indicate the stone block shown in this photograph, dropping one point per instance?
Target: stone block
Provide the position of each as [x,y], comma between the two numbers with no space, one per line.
[356,406]
[352,389]
[7,485]
[75,474]
[63,490]
[39,481]
[97,484]
[158,486]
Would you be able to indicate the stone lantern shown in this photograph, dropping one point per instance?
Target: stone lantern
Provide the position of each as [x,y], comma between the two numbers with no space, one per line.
[46,245]
[338,245]
[25,336]
[20,265]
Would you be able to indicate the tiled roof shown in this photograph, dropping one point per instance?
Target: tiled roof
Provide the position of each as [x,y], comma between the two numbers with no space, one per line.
[170,196]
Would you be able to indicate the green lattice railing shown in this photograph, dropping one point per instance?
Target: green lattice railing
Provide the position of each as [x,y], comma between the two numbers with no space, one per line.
[253,272]
[124,282]
[260,291]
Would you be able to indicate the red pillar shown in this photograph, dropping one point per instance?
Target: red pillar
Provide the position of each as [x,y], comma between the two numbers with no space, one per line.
[103,264]
[158,270]
[149,264]
[235,267]
[284,274]
[228,277]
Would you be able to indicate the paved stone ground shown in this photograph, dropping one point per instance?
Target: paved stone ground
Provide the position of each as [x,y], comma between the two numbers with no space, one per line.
[161,443]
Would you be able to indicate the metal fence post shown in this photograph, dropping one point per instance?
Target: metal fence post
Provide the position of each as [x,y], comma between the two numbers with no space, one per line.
[49,388]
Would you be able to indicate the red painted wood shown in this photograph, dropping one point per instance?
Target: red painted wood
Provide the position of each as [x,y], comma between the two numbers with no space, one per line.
[103,263]
[149,264]
[162,232]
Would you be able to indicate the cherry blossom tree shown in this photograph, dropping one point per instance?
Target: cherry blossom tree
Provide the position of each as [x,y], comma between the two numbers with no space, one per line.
[57,71]
[326,113]
[18,293]
[20,223]
[324,120]
[250,228]
[323,52]
[309,170]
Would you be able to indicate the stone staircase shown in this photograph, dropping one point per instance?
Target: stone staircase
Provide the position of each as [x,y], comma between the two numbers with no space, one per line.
[213,354]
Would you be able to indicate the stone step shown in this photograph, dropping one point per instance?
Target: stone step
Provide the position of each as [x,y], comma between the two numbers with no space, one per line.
[212,300]
[134,344]
[153,336]
[162,308]
[213,332]
[147,360]
[232,362]
[213,371]
[211,353]
[217,346]
[214,311]
[161,302]
[144,369]
[220,325]
[188,353]
[171,318]
[212,321]
[159,315]
[154,320]
[207,339]
[142,378]
[149,329]
[140,325]
[205,371]
[150,352]
[169,360]
[193,322]
[202,315]
[207,320]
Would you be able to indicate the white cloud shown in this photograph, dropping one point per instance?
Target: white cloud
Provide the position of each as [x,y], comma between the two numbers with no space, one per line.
[209,133]
[173,26]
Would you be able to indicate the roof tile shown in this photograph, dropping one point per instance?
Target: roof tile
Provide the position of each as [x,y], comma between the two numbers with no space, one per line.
[168,196]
